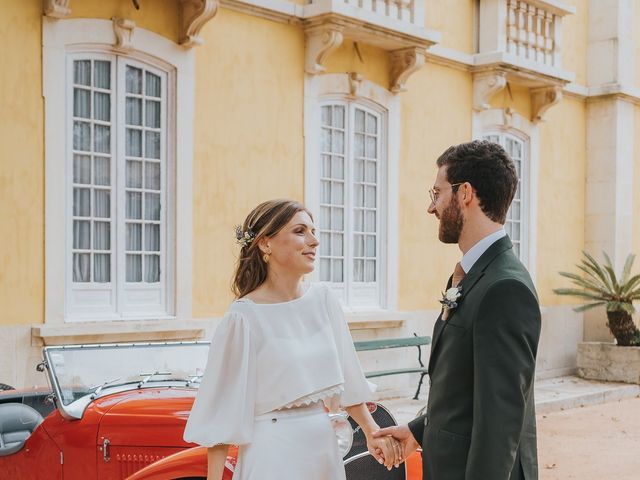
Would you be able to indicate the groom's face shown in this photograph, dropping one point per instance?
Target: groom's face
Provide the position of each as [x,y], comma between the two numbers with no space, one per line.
[446,208]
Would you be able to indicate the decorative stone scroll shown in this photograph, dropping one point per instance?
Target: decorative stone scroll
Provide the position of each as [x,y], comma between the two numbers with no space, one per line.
[404,63]
[486,86]
[194,14]
[542,99]
[320,43]
[124,29]
[56,8]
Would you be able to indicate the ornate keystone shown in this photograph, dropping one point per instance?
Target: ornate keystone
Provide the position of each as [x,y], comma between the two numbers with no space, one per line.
[320,43]
[123,28]
[355,80]
[56,8]
[404,63]
[486,86]
[542,99]
[194,14]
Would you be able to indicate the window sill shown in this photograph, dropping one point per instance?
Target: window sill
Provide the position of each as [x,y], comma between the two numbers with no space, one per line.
[117,331]
[375,319]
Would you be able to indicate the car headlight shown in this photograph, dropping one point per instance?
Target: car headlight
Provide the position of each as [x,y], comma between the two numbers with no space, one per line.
[343,430]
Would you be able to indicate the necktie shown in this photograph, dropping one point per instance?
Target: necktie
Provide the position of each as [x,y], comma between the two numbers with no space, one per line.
[458,275]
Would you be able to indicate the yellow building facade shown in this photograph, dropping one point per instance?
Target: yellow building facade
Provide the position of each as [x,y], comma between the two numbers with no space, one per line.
[135,139]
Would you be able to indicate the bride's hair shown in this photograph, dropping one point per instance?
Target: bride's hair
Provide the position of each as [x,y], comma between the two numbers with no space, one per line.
[266,220]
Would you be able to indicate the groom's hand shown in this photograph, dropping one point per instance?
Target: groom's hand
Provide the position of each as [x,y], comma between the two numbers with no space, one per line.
[402,434]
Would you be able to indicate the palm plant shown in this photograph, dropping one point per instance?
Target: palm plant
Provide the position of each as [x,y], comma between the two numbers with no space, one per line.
[601,287]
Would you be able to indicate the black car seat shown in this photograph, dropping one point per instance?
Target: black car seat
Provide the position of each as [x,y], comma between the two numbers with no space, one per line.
[364,467]
[17,423]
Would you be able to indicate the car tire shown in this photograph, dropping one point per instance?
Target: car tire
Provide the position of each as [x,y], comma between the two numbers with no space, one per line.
[4,386]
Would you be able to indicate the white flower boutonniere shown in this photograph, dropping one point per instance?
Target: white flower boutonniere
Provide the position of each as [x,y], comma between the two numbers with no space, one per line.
[450,301]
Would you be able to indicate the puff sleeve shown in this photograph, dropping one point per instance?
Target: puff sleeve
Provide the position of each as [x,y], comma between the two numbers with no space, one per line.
[357,388]
[223,410]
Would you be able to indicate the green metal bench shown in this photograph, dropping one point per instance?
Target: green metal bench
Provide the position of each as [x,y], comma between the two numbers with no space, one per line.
[414,341]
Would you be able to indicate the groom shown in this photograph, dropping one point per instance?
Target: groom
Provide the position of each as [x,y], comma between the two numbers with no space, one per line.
[480,422]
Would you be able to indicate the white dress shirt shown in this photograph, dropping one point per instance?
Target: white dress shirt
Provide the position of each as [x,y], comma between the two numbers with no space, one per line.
[475,252]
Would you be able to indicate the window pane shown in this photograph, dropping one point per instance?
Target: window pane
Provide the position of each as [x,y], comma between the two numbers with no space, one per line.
[371,124]
[81,234]
[102,268]
[102,106]
[359,145]
[358,217]
[152,175]
[358,246]
[134,237]
[369,196]
[134,205]
[358,199]
[152,145]
[81,103]
[338,116]
[325,218]
[326,115]
[81,264]
[102,235]
[152,206]
[152,117]
[371,147]
[134,143]
[337,244]
[515,231]
[102,171]
[82,136]
[337,167]
[152,268]
[337,142]
[515,210]
[82,72]
[152,238]
[81,168]
[370,249]
[337,219]
[134,268]
[102,138]
[371,172]
[133,111]
[325,140]
[358,270]
[370,221]
[336,270]
[102,204]
[358,175]
[325,243]
[326,166]
[337,193]
[102,74]
[326,192]
[82,202]
[133,80]
[325,270]
[153,85]
[370,271]
[359,121]
[134,174]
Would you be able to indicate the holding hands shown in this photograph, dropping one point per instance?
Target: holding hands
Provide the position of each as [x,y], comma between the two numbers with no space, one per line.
[401,436]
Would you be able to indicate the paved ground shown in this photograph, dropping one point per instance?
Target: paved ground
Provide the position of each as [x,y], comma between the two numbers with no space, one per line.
[599,442]
[586,430]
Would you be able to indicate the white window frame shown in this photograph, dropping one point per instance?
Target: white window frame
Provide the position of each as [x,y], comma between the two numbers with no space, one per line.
[337,88]
[62,37]
[500,122]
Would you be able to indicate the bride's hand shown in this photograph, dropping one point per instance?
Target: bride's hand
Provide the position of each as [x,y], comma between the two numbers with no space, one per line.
[386,450]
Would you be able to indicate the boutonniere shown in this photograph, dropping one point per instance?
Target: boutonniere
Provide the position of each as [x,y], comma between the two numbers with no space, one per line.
[450,301]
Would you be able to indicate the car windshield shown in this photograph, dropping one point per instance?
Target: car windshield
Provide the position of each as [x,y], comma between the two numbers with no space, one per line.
[88,370]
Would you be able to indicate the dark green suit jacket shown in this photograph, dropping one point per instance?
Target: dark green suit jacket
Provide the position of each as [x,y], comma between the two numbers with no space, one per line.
[480,422]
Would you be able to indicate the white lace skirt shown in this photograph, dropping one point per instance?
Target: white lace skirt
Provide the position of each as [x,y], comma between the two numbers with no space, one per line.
[291,444]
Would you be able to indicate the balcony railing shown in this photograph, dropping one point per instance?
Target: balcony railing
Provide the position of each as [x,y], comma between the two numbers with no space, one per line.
[532,32]
[405,11]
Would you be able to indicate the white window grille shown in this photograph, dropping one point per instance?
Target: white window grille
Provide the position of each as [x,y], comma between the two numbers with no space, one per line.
[351,201]
[516,225]
[119,188]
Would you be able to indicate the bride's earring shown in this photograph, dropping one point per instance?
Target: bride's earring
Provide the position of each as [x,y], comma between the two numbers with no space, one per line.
[265,257]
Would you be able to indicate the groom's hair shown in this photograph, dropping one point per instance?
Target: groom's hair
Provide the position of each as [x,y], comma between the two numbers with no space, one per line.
[489,170]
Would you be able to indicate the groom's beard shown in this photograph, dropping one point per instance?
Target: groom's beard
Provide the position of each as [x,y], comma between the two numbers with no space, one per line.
[451,222]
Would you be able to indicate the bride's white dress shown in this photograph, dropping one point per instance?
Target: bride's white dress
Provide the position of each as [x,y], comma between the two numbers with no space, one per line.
[270,366]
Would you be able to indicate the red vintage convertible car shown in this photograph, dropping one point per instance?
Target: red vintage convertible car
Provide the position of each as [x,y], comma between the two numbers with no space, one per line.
[118,411]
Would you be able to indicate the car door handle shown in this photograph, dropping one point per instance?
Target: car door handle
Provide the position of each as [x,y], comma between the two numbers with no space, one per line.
[105,450]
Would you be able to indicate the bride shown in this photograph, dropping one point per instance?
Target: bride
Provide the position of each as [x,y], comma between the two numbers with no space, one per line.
[281,353]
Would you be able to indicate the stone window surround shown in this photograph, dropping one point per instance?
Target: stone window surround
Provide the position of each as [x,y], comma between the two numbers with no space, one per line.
[103,35]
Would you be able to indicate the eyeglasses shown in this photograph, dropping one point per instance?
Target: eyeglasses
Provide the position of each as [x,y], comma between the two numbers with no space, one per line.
[434,195]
